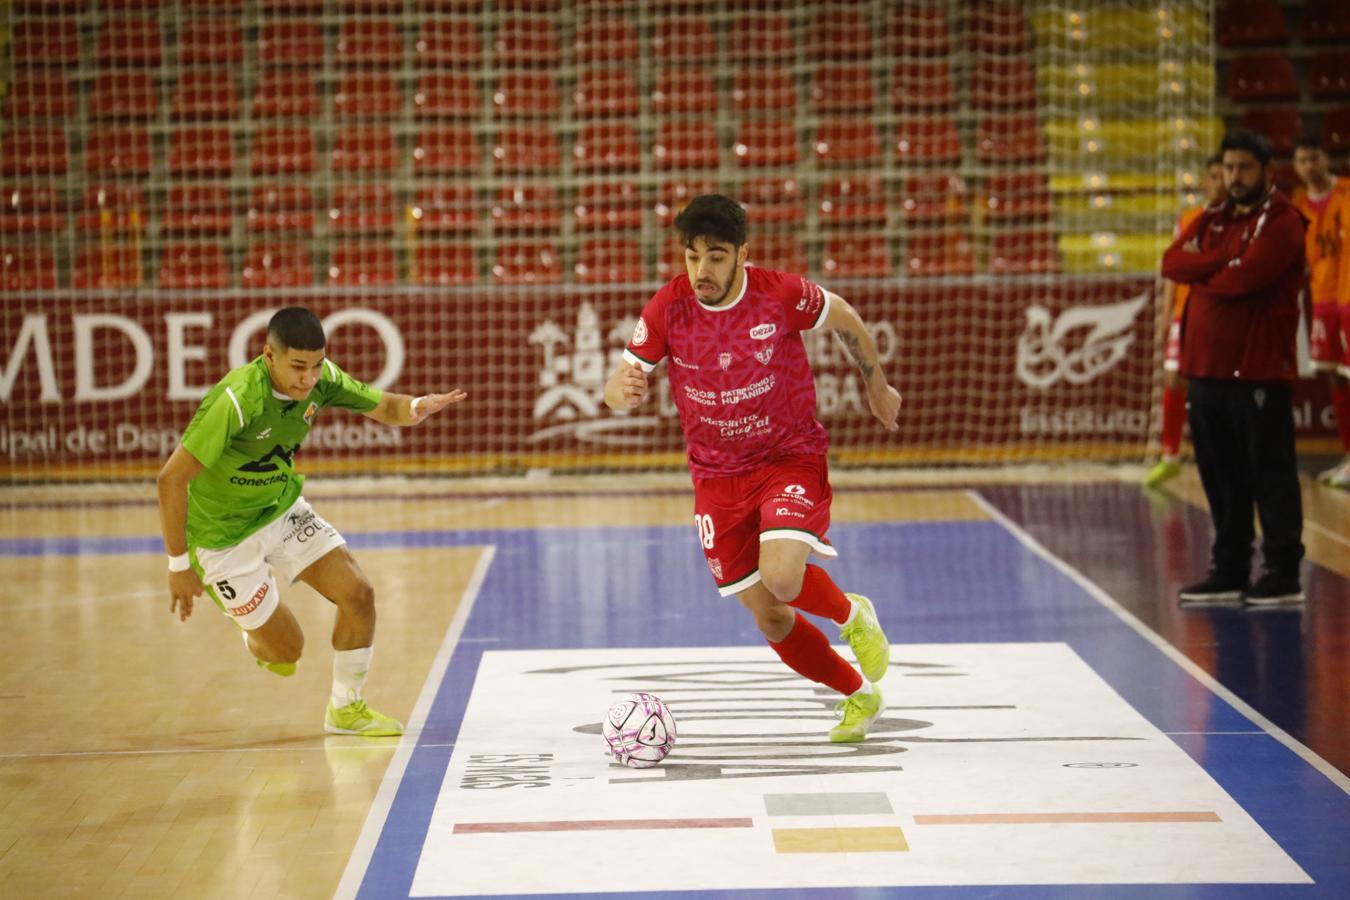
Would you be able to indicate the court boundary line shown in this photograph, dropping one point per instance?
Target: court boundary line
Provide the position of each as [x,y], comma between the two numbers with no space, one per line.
[1096,592]
[358,862]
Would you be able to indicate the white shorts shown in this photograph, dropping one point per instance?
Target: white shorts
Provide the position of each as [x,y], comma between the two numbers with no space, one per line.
[243,579]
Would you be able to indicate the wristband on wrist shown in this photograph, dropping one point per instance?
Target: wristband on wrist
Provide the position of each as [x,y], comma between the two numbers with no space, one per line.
[413,406]
[179,563]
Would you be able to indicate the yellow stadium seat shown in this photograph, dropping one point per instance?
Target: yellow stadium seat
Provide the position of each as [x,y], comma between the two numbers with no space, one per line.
[1077,142]
[1118,28]
[1106,251]
[1085,84]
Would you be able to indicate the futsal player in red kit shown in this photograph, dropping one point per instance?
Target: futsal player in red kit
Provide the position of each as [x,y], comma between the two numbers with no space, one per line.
[743,387]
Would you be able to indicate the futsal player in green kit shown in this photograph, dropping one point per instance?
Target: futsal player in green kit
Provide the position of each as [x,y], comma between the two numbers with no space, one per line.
[234,519]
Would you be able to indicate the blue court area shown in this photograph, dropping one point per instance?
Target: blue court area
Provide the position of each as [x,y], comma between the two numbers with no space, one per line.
[1077,690]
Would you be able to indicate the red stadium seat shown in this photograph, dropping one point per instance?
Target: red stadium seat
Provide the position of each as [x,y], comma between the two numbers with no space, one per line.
[523,95]
[609,205]
[184,266]
[280,207]
[1017,195]
[369,43]
[123,94]
[605,92]
[772,202]
[109,209]
[46,42]
[683,41]
[764,89]
[448,43]
[684,90]
[847,142]
[836,33]
[769,142]
[928,141]
[764,37]
[605,39]
[365,149]
[784,252]
[607,147]
[107,265]
[1282,124]
[446,95]
[685,144]
[290,42]
[931,254]
[936,197]
[1250,23]
[921,85]
[1325,22]
[1329,74]
[445,209]
[34,151]
[445,150]
[527,263]
[1262,76]
[1336,130]
[201,152]
[914,30]
[674,195]
[670,261]
[1009,139]
[367,95]
[28,267]
[199,210]
[842,89]
[857,256]
[1003,82]
[854,200]
[288,8]
[1023,253]
[118,151]
[527,148]
[128,41]
[362,209]
[998,27]
[609,261]
[205,94]
[285,94]
[39,94]
[361,263]
[30,208]
[443,264]
[526,207]
[277,265]
[210,42]
[283,151]
[522,41]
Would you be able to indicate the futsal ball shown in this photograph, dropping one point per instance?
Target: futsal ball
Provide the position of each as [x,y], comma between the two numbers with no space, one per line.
[639,730]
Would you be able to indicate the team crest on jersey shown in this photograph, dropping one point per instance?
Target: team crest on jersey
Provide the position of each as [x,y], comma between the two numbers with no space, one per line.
[764,331]
[310,412]
[765,355]
[724,360]
[640,332]
[715,566]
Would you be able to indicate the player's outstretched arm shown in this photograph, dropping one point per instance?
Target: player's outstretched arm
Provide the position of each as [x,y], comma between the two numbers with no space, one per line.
[852,332]
[172,483]
[626,387]
[405,409]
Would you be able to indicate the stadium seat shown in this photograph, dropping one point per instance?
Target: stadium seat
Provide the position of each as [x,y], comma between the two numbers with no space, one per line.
[445,150]
[1016,195]
[608,206]
[686,41]
[1261,76]
[1009,139]
[605,92]
[46,42]
[30,208]
[608,38]
[1329,74]
[283,151]
[107,265]
[449,208]
[369,43]
[936,197]
[193,266]
[836,33]
[853,200]
[856,255]
[670,261]
[287,8]
[443,264]
[922,84]
[764,38]
[277,265]
[784,252]
[1250,23]
[201,152]
[212,41]
[198,209]
[1336,129]
[998,27]
[366,149]
[1023,253]
[673,195]
[684,90]
[609,261]
[523,95]
[361,263]
[528,149]
[932,140]
[1005,82]
[847,89]
[34,151]
[27,267]
[772,202]
[1111,252]
[280,207]
[118,152]
[766,142]
[285,94]
[606,147]
[128,41]
[527,263]
[847,142]
[205,94]
[109,209]
[525,41]
[685,144]
[123,94]
[367,95]
[914,30]
[764,89]
[448,43]
[1325,22]
[290,42]
[933,254]
[446,95]
[1282,124]
[362,209]
[39,94]
[526,207]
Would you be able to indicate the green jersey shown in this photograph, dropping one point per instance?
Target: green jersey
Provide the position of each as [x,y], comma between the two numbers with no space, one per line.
[245,434]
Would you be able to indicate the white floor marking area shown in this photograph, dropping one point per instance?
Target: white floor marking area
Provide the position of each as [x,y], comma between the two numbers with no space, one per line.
[994,764]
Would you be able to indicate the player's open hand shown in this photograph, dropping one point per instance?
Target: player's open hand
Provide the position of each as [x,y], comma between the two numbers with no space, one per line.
[633,387]
[184,587]
[885,403]
[430,404]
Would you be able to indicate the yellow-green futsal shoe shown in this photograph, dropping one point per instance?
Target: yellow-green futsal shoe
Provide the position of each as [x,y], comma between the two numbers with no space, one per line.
[285,670]
[858,712]
[1164,471]
[868,641]
[357,718]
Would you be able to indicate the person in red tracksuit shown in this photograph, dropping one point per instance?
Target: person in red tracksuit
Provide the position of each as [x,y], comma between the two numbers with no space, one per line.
[1244,260]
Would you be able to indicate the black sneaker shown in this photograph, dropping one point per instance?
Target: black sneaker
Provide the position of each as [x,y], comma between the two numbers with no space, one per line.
[1216,590]
[1274,589]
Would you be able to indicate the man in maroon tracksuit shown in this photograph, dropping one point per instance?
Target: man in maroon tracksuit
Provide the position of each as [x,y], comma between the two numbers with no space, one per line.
[1244,260]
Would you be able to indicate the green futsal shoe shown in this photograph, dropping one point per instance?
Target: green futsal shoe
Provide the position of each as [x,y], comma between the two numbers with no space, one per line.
[857,712]
[1165,470]
[285,670]
[868,641]
[357,718]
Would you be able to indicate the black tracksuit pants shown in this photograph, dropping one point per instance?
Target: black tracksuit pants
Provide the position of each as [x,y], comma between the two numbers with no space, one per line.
[1243,433]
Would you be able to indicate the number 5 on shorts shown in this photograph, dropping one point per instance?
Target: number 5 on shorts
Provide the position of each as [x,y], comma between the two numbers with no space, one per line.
[706,535]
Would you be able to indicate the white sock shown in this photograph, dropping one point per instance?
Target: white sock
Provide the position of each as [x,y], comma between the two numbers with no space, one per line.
[349,674]
[865,689]
[853,607]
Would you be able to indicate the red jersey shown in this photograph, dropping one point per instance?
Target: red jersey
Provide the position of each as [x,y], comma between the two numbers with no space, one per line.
[738,372]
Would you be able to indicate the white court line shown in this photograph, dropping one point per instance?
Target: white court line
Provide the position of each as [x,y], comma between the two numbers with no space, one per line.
[369,744]
[359,861]
[1327,533]
[1148,634]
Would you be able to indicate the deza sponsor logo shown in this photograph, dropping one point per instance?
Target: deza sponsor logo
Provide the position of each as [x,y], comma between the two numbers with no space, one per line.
[1081,344]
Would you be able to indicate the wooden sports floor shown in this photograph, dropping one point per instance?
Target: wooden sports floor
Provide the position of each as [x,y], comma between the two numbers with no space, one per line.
[144,757]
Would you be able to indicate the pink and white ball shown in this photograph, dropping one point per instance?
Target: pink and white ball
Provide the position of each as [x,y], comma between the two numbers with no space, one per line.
[639,730]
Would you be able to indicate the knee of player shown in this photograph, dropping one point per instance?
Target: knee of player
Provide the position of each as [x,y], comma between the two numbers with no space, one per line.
[776,621]
[361,597]
[783,583]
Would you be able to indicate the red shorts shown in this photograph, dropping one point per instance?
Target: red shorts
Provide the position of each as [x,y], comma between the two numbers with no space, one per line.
[788,500]
[1327,340]
[1172,358]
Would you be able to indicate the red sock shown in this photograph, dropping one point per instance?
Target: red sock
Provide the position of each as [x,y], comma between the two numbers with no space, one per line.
[820,596]
[1340,401]
[807,651]
[1173,417]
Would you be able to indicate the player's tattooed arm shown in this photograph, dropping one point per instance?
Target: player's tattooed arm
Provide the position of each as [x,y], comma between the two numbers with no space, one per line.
[852,332]
[854,348]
